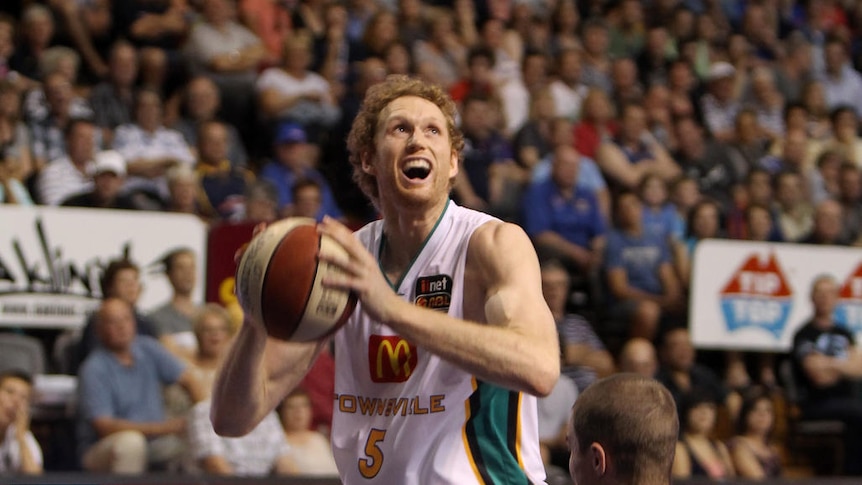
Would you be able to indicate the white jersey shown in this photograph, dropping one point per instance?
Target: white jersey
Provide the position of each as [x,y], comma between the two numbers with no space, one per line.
[406,416]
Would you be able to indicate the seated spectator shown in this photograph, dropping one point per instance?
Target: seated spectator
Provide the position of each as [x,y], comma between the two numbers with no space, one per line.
[261,202]
[291,92]
[173,319]
[684,194]
[643,288]
[69,174]
[47,134]
[307,198]
[704,222]
[705,160]
[109,175]
[747,145]
[554,411]
[489,179]
[680,372]
[121,414]
[18,447]
[201,103]
[14,135]
[796,148]
[12,187]
[628,157]
[720,104]
[567,91]
[754,455]
[584,356]
[294,160]
[767,103]
[262,452]
[698,454]
[120,280]
[590,178]
[223,184]
[845,137]
[226,51]
[660,216]
[850,198]
[824,178]
[442,54]
[794,212]
[596,124]
[185,194]
[150,149]
[827,365]
[841,82]
[638,355]
[309,448]
[212,331]
[112,100]
[533,141]
[828,226]
[37,32]
[563,219]
[759,224]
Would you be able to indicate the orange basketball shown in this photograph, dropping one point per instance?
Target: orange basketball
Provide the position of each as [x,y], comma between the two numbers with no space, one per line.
[279,282]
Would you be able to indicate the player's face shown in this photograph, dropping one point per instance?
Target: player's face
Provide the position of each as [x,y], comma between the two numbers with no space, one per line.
[414,159]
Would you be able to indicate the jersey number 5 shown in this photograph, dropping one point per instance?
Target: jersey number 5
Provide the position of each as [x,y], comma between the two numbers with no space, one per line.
[370,467]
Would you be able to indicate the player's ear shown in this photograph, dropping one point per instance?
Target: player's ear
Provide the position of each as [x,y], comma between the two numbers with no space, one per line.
[454,165]
[599,459]
[367,165]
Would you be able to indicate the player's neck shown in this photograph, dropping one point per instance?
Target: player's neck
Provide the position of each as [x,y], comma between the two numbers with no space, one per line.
[406,230]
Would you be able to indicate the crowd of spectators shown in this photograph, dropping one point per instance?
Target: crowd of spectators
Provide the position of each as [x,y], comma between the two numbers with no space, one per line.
[617,133]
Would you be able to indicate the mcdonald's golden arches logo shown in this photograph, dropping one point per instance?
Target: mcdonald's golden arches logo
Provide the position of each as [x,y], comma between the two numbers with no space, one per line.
[391,358]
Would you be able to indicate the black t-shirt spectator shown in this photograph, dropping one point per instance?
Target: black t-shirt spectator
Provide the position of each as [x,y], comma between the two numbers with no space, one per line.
[833,342]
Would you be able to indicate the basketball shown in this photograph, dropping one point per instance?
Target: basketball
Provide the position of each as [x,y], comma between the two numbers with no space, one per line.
[279,282]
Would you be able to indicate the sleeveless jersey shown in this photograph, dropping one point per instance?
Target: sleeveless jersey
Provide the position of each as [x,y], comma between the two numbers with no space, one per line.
[405,416]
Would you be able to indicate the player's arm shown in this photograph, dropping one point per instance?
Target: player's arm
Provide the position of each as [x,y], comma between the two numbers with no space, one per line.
[256,374]
[516,349]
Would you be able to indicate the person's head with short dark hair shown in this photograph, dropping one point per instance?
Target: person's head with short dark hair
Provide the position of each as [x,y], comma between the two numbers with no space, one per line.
[698,410]
[705,219]
[624,430]
[16,386]
[120,280]
[757,413]
[676,351]
[181,270]
[295,412]
[116,325]
[307,198]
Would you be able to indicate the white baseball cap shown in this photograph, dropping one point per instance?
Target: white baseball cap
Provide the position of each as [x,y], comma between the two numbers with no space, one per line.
[109,161]
[720,70]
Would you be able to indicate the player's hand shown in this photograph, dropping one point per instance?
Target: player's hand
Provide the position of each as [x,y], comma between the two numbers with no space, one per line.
[361,272]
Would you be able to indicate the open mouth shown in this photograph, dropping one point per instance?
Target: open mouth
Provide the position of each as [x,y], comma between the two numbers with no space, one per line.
[417,169]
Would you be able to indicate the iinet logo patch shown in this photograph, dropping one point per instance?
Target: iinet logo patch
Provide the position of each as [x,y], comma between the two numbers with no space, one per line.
[758,296]
[391,358]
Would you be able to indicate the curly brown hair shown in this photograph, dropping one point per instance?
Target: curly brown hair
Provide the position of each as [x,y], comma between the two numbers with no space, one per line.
[360,141]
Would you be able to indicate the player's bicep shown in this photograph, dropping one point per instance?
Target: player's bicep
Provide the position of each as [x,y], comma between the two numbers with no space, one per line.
[510,273]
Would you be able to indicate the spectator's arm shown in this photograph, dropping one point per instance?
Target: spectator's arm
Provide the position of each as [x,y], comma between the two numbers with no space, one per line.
[273,103]
[285,465]
[583,355]
[851,367]
[69,10]
[558,244]
[618,284]
[30,463]
[239,60]
[671,294]
[216,465]
[725,458]
[746,464]
[192,385]
[615,166]
[106,425]
[681,463]
[466,194]
[820,369]
[149,26]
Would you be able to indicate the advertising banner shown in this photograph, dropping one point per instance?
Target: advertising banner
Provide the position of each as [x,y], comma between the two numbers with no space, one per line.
[754,296]
[52,259]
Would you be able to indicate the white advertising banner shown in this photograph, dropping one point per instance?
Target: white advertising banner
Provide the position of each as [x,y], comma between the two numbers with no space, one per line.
[52,259]
[754,296]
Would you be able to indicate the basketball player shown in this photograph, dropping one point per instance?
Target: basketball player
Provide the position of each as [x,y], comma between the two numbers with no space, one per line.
[438,367]
[623,432]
